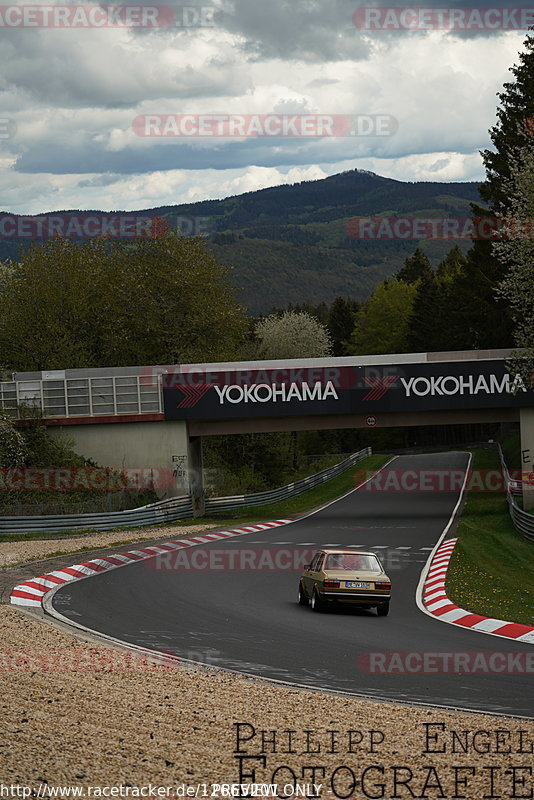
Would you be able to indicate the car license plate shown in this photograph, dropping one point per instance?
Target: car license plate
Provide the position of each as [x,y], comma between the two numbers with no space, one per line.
[357,585]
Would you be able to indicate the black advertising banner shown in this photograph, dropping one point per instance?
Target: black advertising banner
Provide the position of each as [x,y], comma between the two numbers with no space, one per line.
[366,389]
[258,393]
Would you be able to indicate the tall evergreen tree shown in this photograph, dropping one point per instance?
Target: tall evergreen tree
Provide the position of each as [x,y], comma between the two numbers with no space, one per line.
[517,251]
[515,117]
[341,320]
[415,268]
[426,332]
[452,265]
[480,318]
[476,318]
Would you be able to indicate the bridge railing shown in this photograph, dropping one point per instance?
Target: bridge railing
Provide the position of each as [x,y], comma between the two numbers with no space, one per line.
[112,395]
[523,521]
[170,510]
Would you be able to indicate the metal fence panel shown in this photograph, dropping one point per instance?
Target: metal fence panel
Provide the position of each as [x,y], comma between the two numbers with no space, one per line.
[83,397]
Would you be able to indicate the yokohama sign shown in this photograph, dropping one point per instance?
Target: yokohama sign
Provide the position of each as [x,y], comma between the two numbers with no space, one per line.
[196,394]
[273,393]
[451,385]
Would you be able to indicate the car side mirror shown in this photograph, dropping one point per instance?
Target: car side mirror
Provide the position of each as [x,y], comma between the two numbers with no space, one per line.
[307,566]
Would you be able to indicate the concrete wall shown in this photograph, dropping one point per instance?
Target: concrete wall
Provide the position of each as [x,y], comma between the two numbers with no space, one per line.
[162,447]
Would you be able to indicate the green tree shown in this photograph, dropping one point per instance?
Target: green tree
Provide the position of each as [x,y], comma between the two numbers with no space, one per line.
[341,319]
[515,118]
[415,268]
[435,304]
[516,250]
[103,303]
[6,270]
[382,324]
[320,311]
[423,324]
[476,319]
[452,265]
[479,317]
[292,335]
[13,450]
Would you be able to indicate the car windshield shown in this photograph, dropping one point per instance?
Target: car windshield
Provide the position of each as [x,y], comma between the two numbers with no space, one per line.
[352,561]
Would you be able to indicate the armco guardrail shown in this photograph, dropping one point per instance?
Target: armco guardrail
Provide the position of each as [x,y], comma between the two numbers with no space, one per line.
[168,510]
[154,514]
[523,521]
[291,490]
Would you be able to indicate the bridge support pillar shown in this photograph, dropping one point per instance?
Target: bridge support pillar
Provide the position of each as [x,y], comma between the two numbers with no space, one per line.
[527,457]
[196,480]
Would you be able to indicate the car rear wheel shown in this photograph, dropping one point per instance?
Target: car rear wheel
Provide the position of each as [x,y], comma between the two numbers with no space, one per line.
[316,603]
[382,610]
[303,600]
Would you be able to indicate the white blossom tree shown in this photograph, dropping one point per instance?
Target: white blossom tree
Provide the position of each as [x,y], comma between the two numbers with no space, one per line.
[12,443]
[294,334]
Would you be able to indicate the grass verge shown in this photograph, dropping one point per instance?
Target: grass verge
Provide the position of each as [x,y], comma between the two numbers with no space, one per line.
[286,508]
[492,568]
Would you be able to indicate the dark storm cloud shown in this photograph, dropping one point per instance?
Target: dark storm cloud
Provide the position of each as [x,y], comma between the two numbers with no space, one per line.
[324,30]
[87,156]
[307,30]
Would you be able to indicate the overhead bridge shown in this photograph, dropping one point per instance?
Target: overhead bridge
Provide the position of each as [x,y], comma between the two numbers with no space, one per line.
[155,416]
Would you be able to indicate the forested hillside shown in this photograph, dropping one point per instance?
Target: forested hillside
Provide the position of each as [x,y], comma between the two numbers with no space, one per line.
[293,243]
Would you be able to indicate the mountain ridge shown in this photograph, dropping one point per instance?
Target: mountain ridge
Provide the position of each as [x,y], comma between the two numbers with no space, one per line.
[291,243]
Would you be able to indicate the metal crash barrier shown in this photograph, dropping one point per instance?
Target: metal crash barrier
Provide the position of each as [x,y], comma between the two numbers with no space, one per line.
[170,510]
[523,521]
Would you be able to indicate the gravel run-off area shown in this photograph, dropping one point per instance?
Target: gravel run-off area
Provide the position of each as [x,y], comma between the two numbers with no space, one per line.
[22,551]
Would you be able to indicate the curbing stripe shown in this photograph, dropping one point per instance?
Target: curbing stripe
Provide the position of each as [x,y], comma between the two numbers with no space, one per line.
[33,591]
[438,604]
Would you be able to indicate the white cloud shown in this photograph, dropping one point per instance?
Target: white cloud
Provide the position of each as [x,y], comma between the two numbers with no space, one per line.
[74,95]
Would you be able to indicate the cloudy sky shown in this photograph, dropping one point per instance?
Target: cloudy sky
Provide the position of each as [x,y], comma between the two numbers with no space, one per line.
[70,96]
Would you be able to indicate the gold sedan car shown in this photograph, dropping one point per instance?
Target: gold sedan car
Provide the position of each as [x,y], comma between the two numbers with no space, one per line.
[345,576]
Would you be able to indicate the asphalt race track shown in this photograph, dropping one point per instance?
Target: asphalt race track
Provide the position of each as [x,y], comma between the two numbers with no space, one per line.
[249,620]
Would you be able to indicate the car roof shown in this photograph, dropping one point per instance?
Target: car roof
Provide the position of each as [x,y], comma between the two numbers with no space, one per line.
[346,550]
